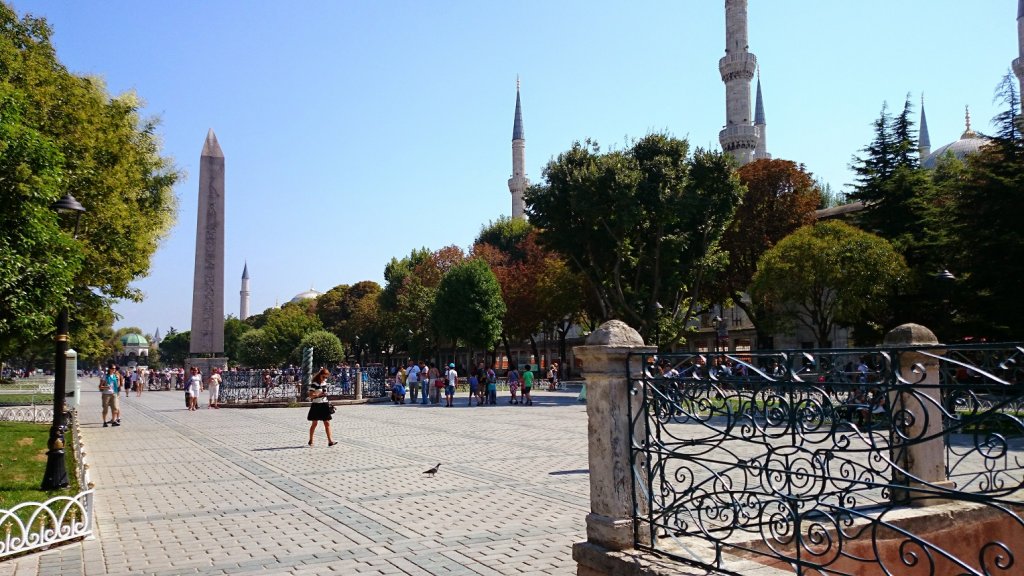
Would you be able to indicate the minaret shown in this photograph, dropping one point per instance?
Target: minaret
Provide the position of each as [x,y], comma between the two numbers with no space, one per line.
[156,337]
[762,138]
[1018,62]
[517,183]
[739,137]
[924,143]
[243,306]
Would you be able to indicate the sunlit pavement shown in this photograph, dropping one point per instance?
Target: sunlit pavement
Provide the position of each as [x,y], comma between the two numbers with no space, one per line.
[238,491]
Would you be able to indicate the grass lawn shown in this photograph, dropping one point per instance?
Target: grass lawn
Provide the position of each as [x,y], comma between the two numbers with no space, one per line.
[23,463]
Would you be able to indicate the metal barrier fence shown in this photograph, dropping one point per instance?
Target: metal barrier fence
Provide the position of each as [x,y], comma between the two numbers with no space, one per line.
[33,526]
[810,460]
[272,386]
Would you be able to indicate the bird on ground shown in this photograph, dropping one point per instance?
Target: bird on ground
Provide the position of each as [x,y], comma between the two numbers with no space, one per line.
[432,471]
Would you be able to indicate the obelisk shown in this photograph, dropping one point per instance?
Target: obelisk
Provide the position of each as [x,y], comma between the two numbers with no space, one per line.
[207,341]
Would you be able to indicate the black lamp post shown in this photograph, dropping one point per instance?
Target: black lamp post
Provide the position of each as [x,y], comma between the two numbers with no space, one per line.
[716,322]
[658,308]
[56,475]
[946,279]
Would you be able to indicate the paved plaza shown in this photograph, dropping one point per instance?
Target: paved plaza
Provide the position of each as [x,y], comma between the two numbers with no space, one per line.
[237,491]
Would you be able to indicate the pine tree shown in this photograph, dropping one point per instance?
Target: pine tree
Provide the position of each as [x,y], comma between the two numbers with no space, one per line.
[987,238]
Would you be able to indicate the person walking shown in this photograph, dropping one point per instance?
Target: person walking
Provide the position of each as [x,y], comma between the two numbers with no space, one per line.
[110,394]
[449,390]
[527,385]
[319,406]
[213,384]
[195,384]
[513,385]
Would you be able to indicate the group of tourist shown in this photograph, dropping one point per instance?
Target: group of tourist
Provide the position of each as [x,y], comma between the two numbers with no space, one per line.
[410,380]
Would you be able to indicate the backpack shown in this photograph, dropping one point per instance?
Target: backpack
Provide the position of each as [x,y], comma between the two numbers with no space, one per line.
[491,376]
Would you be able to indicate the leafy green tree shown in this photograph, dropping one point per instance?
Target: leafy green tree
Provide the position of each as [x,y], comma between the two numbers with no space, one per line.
[337,308]
[826,275]
[233,330]
[256,350]
[641,226]
[327,349]
[468,305]
[174,347]
[285,328]
[986,243]
[507,234]
[781,198]
[63,134]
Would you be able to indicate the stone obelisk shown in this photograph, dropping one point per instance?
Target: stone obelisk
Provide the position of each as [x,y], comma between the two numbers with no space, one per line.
[207,342]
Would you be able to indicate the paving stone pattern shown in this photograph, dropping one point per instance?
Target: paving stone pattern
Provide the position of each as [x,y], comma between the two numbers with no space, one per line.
[237,491]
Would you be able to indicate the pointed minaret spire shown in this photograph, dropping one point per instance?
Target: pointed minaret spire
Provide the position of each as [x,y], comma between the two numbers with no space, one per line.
[518,182]
[761,151]
[1018,62]
[243,306]
[924,143]
[739,137]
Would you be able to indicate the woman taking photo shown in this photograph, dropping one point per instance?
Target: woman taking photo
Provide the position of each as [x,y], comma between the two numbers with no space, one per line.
[319,406]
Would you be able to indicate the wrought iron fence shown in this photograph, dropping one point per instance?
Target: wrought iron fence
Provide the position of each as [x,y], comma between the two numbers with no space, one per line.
[811,460]
[31,526]
[285,386]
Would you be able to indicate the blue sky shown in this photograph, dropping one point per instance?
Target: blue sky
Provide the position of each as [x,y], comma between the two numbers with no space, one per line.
[357,131]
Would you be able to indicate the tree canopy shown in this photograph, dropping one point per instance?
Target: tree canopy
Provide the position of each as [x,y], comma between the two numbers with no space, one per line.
[641,225]
[63,134]
[826,275]
[468,305]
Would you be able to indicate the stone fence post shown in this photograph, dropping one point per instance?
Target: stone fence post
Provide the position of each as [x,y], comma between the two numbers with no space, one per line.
[923,461]
[610,521]
[359,382]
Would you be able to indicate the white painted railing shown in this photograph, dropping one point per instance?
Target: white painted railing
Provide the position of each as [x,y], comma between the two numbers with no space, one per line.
[59,519]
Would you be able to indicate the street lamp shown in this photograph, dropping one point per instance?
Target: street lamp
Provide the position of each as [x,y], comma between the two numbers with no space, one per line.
[716,322]
[56,475]
[657,319]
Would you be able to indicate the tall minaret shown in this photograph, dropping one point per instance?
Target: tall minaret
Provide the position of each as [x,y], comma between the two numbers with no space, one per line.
[243,306]
[1018,63]
[739,137]
[762,139]
[924,143]
[517,183]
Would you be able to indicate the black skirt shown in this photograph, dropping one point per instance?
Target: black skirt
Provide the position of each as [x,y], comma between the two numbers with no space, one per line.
[319,411]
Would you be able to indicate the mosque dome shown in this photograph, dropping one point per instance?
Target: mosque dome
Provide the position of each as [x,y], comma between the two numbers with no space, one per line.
[969,143]
[137,340]
[310,294]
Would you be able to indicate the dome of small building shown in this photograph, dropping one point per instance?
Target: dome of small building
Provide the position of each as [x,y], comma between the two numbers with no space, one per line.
[310,294]
[969,143]
[134,340]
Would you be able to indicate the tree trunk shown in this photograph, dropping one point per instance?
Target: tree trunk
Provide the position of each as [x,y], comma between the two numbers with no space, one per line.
[508,349]
[533,348]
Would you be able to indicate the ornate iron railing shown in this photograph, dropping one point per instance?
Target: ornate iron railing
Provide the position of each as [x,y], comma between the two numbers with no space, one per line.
[33,526]
[815,461]
[274,386]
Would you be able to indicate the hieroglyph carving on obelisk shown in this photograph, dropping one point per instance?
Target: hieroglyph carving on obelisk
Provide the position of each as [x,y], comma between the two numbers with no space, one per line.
[208,285]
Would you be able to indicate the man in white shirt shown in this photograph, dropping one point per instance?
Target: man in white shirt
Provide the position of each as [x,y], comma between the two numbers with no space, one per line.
[412,379]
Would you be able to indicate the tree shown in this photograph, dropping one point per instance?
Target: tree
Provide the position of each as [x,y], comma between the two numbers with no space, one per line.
[337,308]
[986,243]
[641,226]
[256,350]
[781,197]
[63,134]
[233,331]
[327,349]
[174,347]
[408,297]
[468,305]
[285,328]
[829,274]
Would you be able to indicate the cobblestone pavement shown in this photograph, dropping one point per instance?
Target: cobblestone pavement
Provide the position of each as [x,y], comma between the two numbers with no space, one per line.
[237,491]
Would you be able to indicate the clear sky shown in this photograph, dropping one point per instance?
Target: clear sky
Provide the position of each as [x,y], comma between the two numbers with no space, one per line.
[356,131]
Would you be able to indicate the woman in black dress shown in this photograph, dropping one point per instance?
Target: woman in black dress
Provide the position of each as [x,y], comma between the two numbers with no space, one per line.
[319,406]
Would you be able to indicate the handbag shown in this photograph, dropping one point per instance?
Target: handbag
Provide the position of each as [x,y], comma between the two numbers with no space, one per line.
[333,408]
[439,383]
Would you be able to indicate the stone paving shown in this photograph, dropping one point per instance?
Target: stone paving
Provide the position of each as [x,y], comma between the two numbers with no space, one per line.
[237,491]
